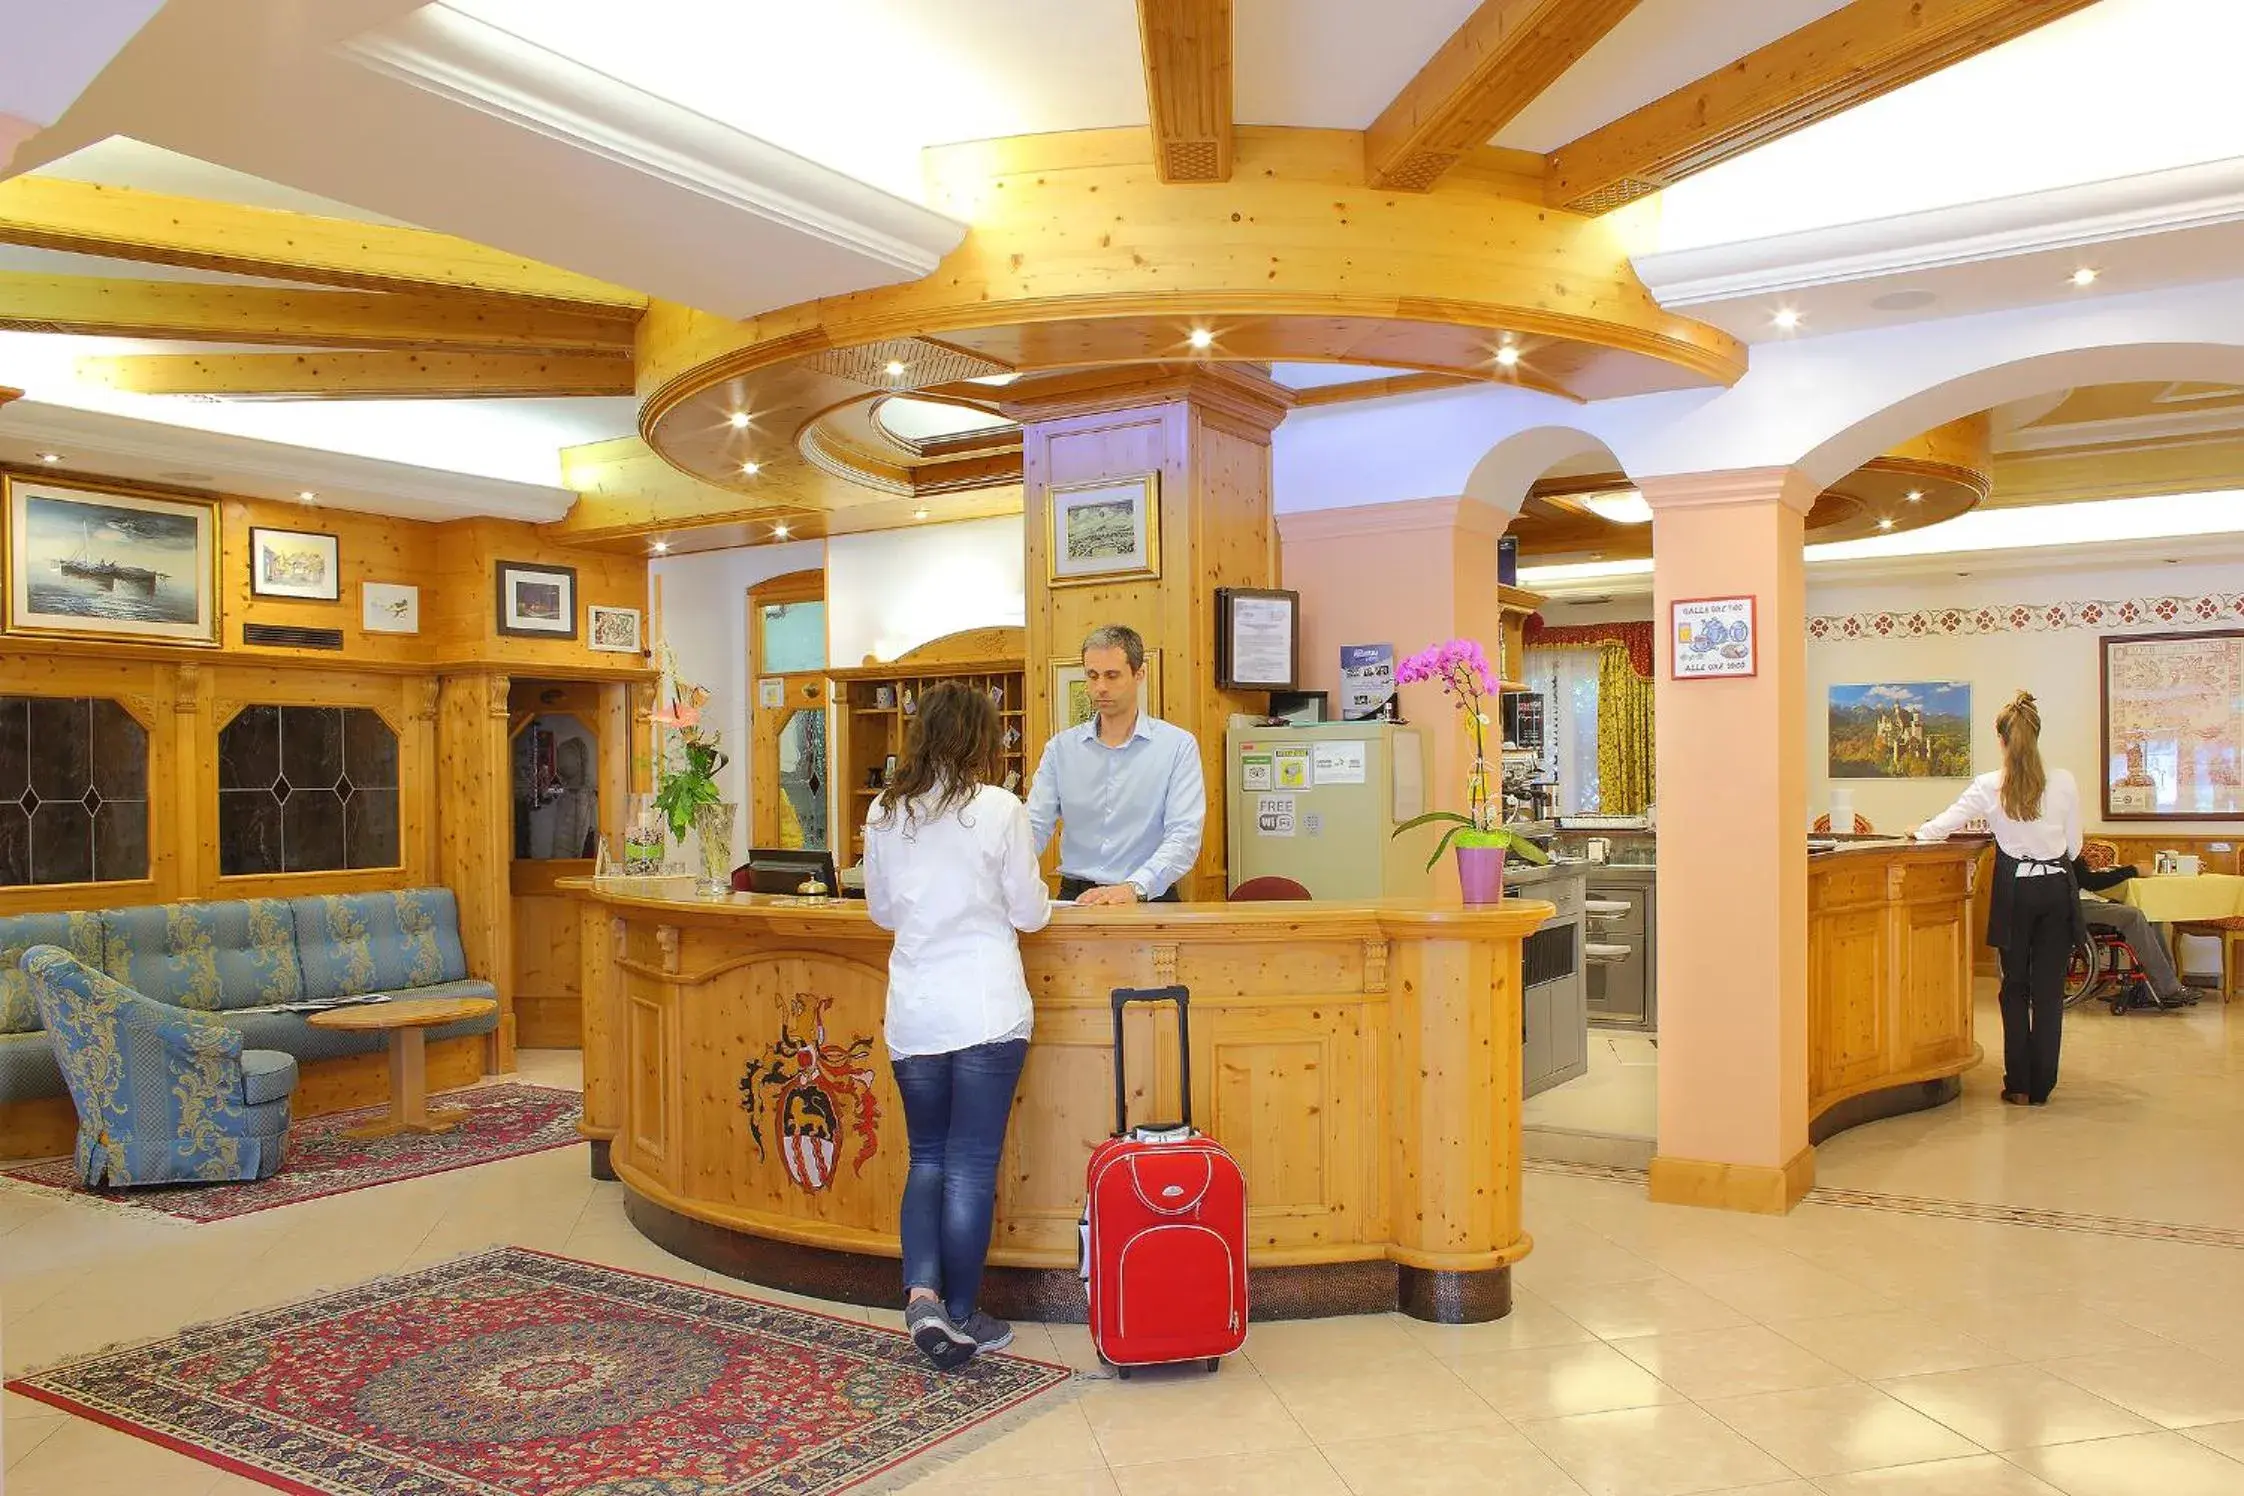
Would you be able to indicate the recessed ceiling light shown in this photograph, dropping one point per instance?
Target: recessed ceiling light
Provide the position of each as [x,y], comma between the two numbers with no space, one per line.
[1885,521]
[739,420]
[1915,496]
[779,531]
[305,496]
[1200,337]
[1624,508]
[919,514]
[50,457]
[2084,276]
[751,468]
[1786,318]
[662,547]
[1507,356]
[895,367]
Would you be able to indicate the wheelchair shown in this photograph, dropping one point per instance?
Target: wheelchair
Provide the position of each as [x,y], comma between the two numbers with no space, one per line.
[2104,968]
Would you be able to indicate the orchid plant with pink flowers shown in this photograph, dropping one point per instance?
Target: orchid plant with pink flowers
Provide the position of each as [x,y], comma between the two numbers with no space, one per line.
[1460,667]
[687,763]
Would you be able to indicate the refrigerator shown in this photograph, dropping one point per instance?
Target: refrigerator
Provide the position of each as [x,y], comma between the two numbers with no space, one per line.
[1319,804]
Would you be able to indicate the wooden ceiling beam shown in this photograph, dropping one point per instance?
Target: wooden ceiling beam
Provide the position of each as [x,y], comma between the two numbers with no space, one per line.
[1187,50]
[1828,66]
[363,376]
[1494,65]
[152,227]
[191,311]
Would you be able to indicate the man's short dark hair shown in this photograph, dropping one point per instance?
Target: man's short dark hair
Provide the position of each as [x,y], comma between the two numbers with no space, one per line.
[1118,636]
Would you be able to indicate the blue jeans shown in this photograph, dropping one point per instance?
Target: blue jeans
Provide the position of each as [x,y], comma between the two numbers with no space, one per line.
[955,1109]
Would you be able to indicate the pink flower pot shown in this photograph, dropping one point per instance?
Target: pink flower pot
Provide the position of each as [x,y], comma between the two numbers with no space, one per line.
[1481,871]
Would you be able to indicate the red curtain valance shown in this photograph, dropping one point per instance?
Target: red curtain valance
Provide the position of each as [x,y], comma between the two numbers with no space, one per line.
[1636,636]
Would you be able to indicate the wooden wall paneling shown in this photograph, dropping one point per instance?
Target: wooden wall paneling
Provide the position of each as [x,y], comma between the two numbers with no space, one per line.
[369,548]
[146,690]
[474,834]
[600,949]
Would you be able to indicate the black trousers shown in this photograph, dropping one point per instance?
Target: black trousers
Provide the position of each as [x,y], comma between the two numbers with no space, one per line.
[1075,888]
[2033,983]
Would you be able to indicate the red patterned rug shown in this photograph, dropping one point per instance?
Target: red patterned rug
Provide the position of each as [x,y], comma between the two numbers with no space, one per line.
[504,1121]
[513,1373]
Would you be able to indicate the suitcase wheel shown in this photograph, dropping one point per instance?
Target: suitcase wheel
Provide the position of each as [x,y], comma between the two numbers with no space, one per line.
[1123,1372]
[1215,1363]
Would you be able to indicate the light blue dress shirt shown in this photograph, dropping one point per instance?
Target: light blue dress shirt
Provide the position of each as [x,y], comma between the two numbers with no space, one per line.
[1132,814]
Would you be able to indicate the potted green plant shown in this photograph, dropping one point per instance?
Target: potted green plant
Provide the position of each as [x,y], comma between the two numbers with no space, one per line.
[1460,668]
[688,760]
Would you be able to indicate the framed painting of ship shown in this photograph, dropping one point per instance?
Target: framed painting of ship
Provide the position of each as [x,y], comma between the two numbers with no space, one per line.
[293,563]
[89,564]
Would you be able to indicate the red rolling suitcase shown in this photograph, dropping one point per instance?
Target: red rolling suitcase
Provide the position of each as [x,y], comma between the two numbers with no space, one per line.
[1165,1233]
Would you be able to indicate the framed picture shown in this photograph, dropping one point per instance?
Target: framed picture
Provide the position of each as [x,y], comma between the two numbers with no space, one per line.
[90,564]
[389,608]
[293,563]
[1071,693]
[1258,639]
[1901,730]
[1712,638]
[2173,726]
[612,630]
[1104,532]
[537,602]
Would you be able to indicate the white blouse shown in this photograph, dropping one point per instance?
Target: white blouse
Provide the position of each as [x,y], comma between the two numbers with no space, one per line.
[955,890]
[2053,836]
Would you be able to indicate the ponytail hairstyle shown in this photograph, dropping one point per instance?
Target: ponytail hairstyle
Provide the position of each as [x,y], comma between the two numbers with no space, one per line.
[2023,777]
[955,748]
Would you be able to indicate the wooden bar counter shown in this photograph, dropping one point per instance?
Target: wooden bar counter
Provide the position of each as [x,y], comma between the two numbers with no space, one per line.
[1362,1060]
[1892,928]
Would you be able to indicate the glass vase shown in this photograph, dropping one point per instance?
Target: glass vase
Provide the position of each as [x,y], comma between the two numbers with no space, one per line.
[713,825]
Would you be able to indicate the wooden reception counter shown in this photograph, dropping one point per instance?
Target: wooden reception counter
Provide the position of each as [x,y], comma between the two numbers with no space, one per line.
[1892,927]
[1362,1060]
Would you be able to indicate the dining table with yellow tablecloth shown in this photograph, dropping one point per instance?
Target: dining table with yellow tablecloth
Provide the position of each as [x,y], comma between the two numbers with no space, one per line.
[2176,899]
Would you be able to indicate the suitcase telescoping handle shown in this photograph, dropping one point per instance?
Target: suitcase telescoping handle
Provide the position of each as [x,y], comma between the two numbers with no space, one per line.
[1182,997]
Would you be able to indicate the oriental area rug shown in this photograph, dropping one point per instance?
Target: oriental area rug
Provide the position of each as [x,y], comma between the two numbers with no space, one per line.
[506,1120]
[515,1373]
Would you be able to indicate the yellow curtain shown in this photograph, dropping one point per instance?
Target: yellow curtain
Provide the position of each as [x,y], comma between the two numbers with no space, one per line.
[1624,735]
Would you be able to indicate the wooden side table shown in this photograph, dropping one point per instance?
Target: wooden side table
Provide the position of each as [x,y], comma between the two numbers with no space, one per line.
[406,1022]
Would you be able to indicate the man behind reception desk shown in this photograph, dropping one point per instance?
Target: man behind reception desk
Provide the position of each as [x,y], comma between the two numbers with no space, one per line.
[1125,788]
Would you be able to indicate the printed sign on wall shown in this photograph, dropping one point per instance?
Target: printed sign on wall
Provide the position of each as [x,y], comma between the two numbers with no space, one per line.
[1711,637]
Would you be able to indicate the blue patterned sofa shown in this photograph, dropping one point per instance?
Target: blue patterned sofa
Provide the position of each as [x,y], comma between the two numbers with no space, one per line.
[218,958]
[163,1095]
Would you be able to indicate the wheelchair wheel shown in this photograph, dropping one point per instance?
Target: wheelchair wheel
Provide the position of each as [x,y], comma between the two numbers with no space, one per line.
[2081,973]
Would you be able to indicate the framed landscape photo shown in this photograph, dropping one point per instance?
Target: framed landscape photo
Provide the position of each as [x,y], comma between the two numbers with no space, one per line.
[293,563]
[2173,726]
[612,630]
[389,608]
[1104,532]
[537,602]
[1071,693]
[1901,730]
[89,564]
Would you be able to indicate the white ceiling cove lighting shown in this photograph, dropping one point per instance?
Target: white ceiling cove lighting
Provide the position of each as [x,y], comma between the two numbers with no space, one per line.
[1625,508]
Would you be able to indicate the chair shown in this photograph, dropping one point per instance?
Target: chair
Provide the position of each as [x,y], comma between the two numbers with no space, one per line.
[2229,931]
[163,1096]
[1862,826]
[1268,890]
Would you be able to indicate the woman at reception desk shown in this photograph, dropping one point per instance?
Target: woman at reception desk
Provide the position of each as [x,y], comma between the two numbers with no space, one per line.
[1360,1059]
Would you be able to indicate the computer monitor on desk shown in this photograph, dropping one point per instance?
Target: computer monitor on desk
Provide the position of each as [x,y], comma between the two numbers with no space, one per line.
[786,869]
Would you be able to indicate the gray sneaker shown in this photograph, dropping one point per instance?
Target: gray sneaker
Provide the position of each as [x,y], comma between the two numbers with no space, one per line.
[938,1339]
[989,1333]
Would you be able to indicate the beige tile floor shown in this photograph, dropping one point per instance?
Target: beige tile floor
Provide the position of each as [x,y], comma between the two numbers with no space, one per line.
[1653,1351]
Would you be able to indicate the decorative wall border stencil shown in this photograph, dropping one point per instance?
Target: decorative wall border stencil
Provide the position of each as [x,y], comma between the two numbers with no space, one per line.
[2031,618]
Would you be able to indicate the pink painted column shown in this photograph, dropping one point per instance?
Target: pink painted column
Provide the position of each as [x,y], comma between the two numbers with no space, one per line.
[1410,574]
[1733,916]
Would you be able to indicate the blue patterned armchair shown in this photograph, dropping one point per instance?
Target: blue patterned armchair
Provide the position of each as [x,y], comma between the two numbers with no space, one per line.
[164,1096]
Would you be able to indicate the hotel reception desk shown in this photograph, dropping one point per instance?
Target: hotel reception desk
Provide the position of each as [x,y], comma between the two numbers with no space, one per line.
[1361,1060]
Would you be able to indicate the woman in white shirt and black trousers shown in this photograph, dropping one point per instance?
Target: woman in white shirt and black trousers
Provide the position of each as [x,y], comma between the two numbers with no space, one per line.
[950,867]
[2033,910]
